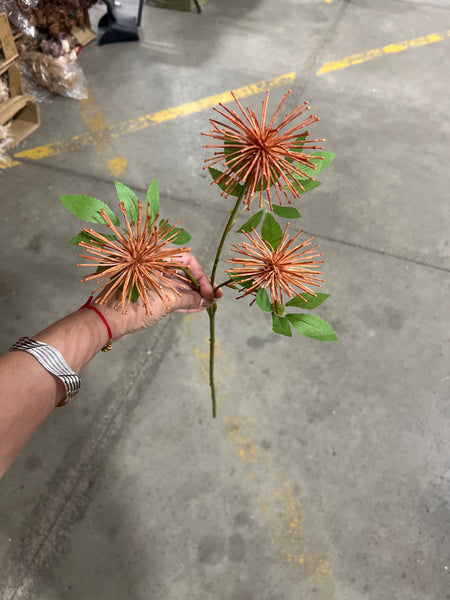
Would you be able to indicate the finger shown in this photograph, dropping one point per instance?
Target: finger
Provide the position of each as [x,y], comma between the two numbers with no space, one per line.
[199,274]
[191,301]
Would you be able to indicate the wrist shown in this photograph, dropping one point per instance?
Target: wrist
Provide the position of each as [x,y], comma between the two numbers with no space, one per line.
[78,337]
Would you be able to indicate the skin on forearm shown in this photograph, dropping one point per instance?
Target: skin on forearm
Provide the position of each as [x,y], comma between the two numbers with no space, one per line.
[29,393]
[23,407]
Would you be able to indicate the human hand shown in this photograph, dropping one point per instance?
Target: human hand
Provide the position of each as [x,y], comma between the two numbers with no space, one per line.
[185,298]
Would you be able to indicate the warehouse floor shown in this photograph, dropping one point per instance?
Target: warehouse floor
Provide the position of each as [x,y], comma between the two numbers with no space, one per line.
[326,474]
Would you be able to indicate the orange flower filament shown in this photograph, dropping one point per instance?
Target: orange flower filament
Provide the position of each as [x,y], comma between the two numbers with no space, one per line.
[281,270]
[260,156]
[141,261]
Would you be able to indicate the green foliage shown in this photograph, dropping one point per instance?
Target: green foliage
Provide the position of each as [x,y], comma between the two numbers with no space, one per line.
[300,138]
[253,222]
[312,326]
[322,160]
[262,300]
[129,198]
[85,237]
[182,236]
[271,232]
[233,162]
[286,212]
[134,294]
[311,301]
[277,308]
[153,200]
[235,189]
[307,185]
[88,208]
[281,325]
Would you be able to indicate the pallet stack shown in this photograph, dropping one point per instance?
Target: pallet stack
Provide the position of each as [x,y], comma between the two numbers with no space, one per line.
[17,111]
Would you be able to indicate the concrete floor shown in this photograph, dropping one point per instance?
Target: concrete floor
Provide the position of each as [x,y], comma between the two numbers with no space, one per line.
[326,474]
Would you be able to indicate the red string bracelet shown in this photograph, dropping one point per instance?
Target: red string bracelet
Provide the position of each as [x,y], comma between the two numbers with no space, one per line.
[88,304]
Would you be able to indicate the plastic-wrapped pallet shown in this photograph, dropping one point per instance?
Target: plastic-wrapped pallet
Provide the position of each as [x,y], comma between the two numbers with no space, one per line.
[19,115]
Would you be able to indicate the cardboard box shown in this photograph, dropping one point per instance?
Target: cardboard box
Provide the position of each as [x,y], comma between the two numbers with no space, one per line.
[83,35]
[8,48]
[19,110]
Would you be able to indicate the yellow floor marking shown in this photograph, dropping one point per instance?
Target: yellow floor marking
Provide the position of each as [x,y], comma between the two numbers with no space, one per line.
[247,448]
[7,163]
[356,59]
[97,125]
[112,131]
[329,1]
[280,510]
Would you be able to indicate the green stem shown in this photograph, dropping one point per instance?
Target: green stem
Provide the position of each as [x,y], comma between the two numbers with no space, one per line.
[212,345]
[224,283]
[226,231]
[191,277]
[212,309]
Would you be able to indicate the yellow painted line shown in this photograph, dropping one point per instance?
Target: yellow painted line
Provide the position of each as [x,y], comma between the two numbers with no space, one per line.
[199,105]
[113,131]
[7,163]
[329,1]
[97,125]
[356,59]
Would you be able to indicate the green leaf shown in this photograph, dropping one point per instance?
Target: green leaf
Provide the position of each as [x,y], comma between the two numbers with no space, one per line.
[262,300]
[311,301]
[182,236]
[153,200]
[274,177]
[88,208]
[129,198]
[271,232]
[313,327]
[286,212]
[277,308]
[321,163]
[235,189]
[281,325]
[328,158]
[134,294]
[307,185]
[85,237]
[253,222]
[298,139]
[232,154]
[80,237]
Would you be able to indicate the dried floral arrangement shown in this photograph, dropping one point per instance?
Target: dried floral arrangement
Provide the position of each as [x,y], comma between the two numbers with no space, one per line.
[55,16]
[264,166]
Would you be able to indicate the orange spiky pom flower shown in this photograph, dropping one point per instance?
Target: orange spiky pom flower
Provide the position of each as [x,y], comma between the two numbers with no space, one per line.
[142,261]
[260,156]
[281,270]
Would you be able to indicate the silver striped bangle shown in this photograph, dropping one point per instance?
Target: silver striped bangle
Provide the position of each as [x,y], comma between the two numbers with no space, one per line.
[51,359]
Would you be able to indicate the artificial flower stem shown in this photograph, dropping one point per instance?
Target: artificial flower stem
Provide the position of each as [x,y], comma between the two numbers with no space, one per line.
[212,344]
[191,277]
[212,309]
[224,283]
[226,231]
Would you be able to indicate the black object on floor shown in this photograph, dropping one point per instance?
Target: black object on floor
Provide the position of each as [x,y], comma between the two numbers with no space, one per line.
[113,29]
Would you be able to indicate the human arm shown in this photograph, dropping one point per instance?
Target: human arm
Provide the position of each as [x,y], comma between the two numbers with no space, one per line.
[29,393]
